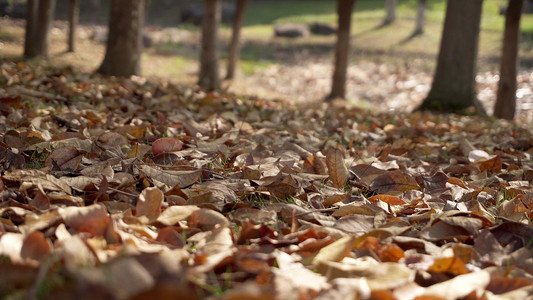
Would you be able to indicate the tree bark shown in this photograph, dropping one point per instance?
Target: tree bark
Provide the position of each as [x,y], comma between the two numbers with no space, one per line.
[342,50]
[420,17]
[124,41]
[74,15]
[209,56]
[234,48]
[29,38]
[506,98]
[390,7]
[453,88]
[45,18]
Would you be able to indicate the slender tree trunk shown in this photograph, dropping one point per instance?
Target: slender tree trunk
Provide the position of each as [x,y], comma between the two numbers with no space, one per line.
[234,48]
[209,56]
[74,15]
[390,7]
[45,18]
[124,41]
[454,83]
[506,98]
[29,39]
[342,50]
[420,17]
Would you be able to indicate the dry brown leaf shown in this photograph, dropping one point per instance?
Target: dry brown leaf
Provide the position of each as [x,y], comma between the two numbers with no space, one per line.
[500,285]
[93,219]
[460,286]
[492,165]
[457,181]
[392,200]
[111,140]
[35,246]
[338,173]
[332,199]
[393,182]
[149,204]
[452,265]
[10,245]
[380,276]
[66,158]
[163,145]
[37,177]
[171,177]
[174,214]
[206,219]
[335,251]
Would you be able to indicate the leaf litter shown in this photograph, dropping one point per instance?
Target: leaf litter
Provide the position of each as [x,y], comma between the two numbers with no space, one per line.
[129,189]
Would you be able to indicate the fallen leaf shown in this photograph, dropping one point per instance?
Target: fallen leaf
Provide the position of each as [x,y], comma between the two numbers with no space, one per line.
[149,204]
[338,173]
[393,183]
[335,251]
[392,200]
[35,246]
[460,286]
[451,265]
[163,145]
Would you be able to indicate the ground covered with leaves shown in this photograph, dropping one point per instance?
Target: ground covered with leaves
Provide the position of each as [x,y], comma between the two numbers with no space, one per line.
[129,189]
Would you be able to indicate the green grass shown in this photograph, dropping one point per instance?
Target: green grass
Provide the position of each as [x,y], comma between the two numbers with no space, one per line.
[249,67]
[370,41]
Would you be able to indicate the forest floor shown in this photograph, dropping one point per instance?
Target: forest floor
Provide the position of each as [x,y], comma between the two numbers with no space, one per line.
[135,189]
[149,188]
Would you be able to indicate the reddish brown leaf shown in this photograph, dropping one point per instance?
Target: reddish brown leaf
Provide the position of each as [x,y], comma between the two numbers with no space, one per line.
[492,165]
[457,181]
[501,285]
[35,246]
[392,200]
[171,236]
[163,145]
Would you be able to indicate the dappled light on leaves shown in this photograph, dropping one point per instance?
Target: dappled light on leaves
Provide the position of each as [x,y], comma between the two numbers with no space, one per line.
[176,193]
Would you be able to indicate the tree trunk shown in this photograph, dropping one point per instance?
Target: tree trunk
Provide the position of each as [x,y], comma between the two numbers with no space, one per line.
[234,48]
[420,17]
[506,98]
[390,7]
[453,88]
[124,41]
[338,84]
[209,73]
[74,15]
[29,39]
[45,18]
